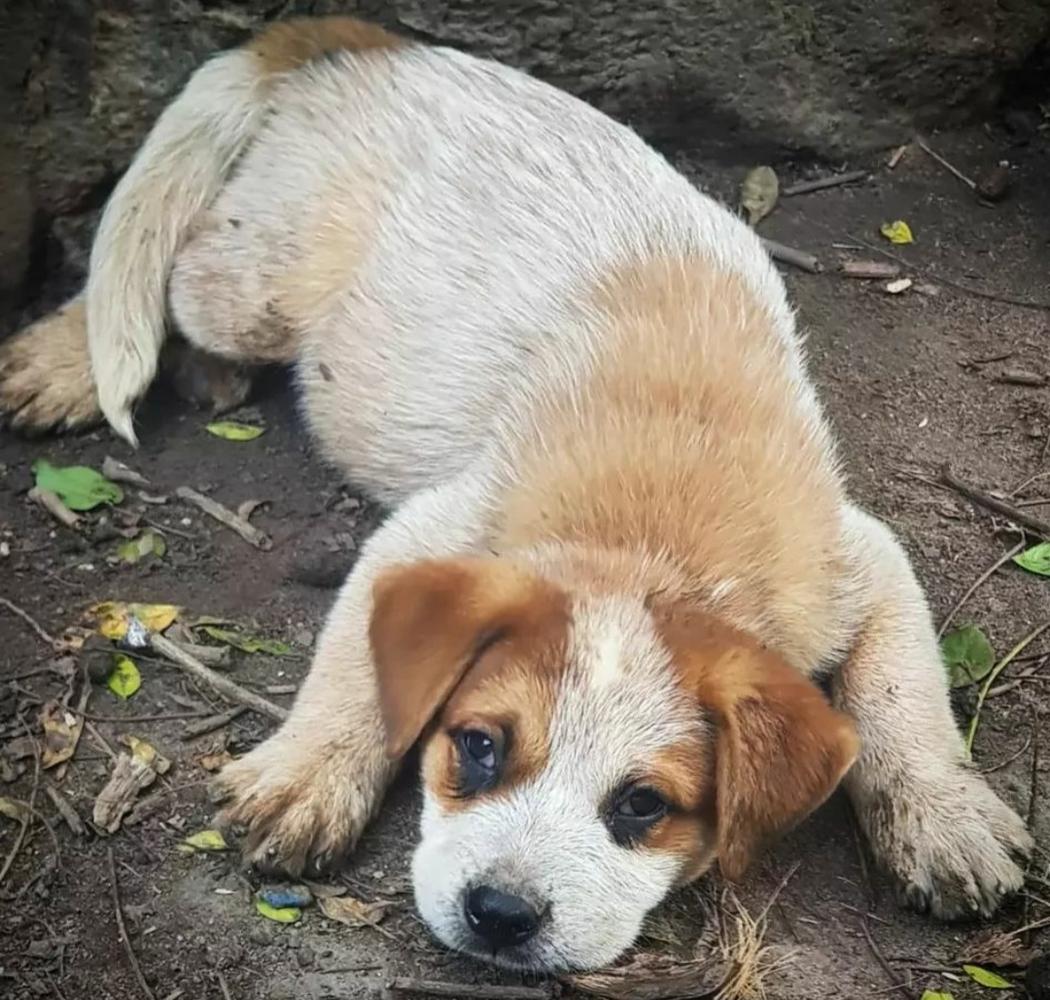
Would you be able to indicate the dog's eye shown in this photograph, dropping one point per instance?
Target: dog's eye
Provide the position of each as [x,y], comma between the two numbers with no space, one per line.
[634,810]
[480,759]
[480,748]
[641,803]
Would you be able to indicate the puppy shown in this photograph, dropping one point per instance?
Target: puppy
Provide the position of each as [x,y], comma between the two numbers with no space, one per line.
[620,553]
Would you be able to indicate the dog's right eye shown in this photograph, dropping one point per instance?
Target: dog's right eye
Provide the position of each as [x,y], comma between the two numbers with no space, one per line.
[479,760]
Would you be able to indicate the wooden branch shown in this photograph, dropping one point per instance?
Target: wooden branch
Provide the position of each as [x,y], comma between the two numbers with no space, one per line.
[789,255]
[251,534]
[822,183]
[994,504]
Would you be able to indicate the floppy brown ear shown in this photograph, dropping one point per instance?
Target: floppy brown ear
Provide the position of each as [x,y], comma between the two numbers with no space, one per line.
[432,620]
[782,750]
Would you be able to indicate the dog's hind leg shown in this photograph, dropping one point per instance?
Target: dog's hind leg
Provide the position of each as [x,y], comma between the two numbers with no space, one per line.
[931,819]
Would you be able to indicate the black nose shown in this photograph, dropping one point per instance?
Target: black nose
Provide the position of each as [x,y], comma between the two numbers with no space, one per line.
[498,918]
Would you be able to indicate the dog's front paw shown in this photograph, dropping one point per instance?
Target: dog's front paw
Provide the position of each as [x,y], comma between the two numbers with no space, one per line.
[300,810]
[953,845]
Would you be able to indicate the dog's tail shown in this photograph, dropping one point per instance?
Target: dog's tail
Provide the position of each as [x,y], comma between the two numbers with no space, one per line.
[178,171]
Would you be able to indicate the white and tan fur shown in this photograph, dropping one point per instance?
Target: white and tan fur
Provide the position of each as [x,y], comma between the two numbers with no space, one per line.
[514,323]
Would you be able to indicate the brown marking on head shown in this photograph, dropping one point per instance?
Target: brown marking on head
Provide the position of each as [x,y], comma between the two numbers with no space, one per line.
[287,45]
[781,748]
[481,628]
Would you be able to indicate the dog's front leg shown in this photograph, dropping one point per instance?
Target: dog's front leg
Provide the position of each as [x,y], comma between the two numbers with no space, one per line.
[306,793]
[932,821]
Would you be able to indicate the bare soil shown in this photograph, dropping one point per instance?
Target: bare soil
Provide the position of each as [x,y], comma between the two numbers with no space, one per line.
[909,384]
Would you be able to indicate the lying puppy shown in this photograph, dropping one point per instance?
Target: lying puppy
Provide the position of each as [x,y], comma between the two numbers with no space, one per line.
[621,551]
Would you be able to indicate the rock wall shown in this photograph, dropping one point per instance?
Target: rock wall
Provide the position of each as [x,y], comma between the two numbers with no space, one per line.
[81,80]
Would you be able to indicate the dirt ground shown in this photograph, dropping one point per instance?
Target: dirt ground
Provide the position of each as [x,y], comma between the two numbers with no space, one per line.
[911,381]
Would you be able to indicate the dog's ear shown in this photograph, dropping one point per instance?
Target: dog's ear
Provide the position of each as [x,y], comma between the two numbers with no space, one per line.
[781,748]
[432,620]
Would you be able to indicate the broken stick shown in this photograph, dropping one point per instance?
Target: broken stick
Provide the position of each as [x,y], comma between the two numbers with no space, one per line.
[225,516]
[871,269]
[789,255]
[994,504]
[953,170]
[821,183]
[54,506]
[468,991]
[189,664]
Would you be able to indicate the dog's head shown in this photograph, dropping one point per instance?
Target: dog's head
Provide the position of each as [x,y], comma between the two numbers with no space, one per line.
[584,753]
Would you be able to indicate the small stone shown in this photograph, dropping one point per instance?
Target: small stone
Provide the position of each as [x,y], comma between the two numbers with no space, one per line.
[994,184]
[261,935]
[898,286]
[306,957]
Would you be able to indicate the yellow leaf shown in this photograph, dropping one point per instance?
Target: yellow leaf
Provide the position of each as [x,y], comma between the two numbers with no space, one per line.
[281,914]
[233,431]
[986,978]
[205,840]
[148,755]
[935,995]
[125,678]
[111,617]
[354,912]
[897,232]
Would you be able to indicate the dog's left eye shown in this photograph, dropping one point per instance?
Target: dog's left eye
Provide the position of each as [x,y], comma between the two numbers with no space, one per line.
[480,748]
[479,760]
[633,812]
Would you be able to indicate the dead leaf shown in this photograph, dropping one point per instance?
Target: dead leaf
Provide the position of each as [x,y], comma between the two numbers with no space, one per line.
[354,912]
[758,193]
[61,733]
[203,841]
[214,761]
[148,543]
[998,948]
[131,774]
[13,809]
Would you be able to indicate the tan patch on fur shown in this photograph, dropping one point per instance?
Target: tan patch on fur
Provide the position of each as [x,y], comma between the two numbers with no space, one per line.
[435,621]
[287,45]
[689,444]
[782,749]
[45,373]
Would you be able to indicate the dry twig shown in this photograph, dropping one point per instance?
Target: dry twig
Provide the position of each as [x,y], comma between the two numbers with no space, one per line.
[29,620]
[789,255]
[822,183]
[212,722]
[121,473]
[225,516]
[468,991]
[122,930]
[869,269]
[986,500]
[223,685]
[54,506]
[953,170]
[30,810]
[972,589]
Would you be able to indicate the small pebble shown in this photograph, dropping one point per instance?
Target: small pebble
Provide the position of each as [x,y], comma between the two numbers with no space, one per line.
[306,957]
[994,184]
[261,935]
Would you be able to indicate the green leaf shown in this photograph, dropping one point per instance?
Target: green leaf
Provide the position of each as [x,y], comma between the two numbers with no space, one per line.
[125,678]
[936,995]
[247,643]
[233,431]
[77,486]
[897,232]
[149,543]
[986,978]
[281,914]
[205,840]
[967,654]
[1036,559]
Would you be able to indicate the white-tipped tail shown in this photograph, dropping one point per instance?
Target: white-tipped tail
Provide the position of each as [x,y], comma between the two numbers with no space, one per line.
[177,172]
